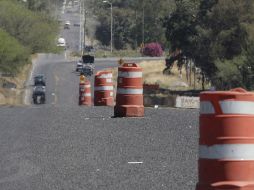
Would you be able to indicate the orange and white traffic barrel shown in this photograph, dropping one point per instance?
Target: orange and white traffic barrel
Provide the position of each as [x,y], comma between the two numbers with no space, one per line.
[103,89]
[226,144]
[82,78]
[85,97]
[129,96]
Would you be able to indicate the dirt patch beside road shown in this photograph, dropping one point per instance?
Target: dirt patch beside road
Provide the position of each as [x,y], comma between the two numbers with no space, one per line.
[153,74]
[14,96]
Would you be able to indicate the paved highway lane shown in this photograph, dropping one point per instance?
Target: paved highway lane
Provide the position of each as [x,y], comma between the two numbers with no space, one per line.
[71,35]
[61,79]
[70,147]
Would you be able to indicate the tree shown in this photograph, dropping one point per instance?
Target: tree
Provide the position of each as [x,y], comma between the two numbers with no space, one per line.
[221,38]
[128,21]
[13,54]
[180,26]
[34,30]
[214,34]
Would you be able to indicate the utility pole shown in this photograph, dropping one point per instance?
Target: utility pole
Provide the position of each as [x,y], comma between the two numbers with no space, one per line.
[111,24]
[111,45]
[84,46]
[136,35]
[143,23]
[80,26]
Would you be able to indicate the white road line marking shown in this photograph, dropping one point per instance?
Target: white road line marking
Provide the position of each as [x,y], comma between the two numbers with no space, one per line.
[135,162]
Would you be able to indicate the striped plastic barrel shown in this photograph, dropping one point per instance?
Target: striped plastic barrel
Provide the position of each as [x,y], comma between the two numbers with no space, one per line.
[226,144]
[103,89]
[85,97]
[129,95]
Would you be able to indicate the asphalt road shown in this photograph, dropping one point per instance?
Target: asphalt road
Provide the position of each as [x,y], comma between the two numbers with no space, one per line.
[67,147]
[62,146]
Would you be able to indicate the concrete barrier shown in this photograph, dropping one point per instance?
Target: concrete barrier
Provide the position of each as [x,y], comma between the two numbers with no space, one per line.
[164,101]
[187,102]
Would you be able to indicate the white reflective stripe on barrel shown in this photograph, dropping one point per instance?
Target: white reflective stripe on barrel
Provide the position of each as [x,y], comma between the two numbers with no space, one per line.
[109,80]
[88,86]
[86,94]
[130,74]
[105,76]
[129,91]
[227,151]
[237,107]
[206,107]
[98,88]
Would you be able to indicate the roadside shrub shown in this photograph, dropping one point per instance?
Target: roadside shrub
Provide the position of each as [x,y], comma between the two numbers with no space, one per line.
[13,56]
[34,30]
[153,50]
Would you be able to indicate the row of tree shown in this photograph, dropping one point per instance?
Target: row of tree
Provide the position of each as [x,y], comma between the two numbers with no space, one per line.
[218,36]
[134,22]
[25,28]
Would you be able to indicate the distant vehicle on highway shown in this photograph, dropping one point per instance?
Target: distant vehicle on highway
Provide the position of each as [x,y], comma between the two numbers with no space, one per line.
[88,59]
[79,66]
[75,2]
[89,49]
[88,65]
[61,42]
[69,11]
[67,25]
[39,80]
[87,70]
[39,95]
[76,24]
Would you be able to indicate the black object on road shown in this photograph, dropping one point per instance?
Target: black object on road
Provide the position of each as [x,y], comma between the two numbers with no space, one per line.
[39,96]
[39,80]
[39,91]
[87,70]
[88,59]
[79,66]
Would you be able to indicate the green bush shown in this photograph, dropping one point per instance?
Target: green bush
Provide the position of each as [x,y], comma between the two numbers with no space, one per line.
[34,30]
[13,54]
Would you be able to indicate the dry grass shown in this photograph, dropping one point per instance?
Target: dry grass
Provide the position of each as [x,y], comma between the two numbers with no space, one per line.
[15,96]
[152,74]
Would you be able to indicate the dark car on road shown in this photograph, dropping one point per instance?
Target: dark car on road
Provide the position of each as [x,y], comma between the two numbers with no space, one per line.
[67,25]
[88,59]
[88,65]
[39,80]
[87,70]
[89,49]
[39,95]
[79,66]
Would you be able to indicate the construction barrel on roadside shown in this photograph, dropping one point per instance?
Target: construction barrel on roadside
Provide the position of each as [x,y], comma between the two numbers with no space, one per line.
[129,96]
[85,97]
[226,144]
[103,89]
[82,78]
[120,62]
